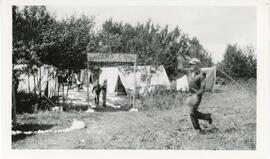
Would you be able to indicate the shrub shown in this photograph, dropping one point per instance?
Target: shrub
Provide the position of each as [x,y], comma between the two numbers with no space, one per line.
[26,102]
[30,102]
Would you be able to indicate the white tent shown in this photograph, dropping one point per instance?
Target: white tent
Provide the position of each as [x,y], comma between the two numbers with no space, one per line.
[114,79]
[121,79]
[85,75]
[47,80]
[182,83]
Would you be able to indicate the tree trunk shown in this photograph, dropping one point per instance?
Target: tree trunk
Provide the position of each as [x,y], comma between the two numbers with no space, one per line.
[28,81]
[63,94]
[67,92]
[40,82]
[58,86]
[15,101]
[39,101]
[55,84]
[14,117]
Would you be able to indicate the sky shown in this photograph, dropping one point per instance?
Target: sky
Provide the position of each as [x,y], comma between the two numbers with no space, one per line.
[214,26]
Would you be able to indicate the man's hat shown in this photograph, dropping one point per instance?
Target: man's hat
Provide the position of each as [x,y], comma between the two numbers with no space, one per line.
[194,61]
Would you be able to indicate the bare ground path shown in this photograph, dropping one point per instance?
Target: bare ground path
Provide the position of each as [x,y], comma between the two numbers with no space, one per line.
[79,97]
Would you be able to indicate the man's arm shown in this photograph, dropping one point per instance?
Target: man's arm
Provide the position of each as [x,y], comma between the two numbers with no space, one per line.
[202,88]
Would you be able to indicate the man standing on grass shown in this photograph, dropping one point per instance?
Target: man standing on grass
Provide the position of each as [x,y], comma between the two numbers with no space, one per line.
[104,92]
[97,90]
[196,83]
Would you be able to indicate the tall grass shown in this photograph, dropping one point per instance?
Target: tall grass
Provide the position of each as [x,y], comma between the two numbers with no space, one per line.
[162,100]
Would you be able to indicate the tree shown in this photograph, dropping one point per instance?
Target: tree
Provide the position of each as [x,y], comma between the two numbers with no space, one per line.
[251,61]
[28,26]
[197,50]
[66,43]
[153,44]
[239,63]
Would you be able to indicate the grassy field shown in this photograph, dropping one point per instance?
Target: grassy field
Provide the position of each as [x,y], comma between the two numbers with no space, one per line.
[166,127]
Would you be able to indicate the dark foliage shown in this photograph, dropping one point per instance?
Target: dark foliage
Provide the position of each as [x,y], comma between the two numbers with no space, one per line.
[239,63]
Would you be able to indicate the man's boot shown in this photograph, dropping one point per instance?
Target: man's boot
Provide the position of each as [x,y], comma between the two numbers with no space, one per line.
[195,122]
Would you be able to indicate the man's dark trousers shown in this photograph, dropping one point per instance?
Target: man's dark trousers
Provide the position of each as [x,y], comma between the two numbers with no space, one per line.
[97,98]
[195,115]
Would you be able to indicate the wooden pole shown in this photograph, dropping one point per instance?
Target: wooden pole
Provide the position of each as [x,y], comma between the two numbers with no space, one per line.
[58,88]
[87,79]
[39,86]
[40,82]
[134,94]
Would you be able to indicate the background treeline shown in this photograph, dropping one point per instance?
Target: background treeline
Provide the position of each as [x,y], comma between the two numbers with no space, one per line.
[239,62]
[39,38]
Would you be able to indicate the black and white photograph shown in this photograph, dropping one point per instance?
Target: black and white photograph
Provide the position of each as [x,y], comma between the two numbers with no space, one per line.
[125,77]
[140,77]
